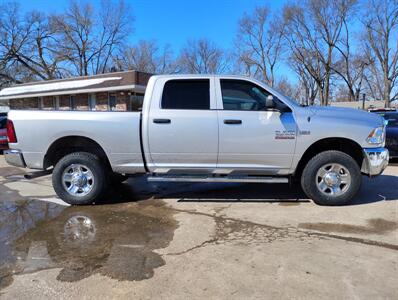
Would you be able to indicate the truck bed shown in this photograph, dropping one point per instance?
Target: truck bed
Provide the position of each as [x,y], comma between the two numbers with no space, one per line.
[118,133]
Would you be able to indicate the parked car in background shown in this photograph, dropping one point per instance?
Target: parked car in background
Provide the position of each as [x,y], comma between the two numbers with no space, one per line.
[3,134]
[391,117]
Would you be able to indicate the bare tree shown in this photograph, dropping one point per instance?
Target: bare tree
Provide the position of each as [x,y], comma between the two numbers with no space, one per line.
[147,56]
[313,30]
[352,70]
[203,56]
[259,44]
[342,93]
[307,88]
[349,66]
[115,22]
[374,78]
[287,87]
[26,46]
[382,39]
[88,40]
[302,41]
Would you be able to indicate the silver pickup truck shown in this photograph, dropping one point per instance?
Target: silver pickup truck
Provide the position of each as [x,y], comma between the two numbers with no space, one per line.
[203,128]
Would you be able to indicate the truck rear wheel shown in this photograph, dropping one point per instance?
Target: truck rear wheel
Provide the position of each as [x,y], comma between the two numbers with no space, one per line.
[79,178]
[331,178]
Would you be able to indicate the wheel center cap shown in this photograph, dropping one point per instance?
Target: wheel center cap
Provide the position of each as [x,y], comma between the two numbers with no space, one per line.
[331,178]
[79,180]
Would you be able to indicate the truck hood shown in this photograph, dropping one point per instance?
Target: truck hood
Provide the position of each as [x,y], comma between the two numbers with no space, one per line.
[349,114]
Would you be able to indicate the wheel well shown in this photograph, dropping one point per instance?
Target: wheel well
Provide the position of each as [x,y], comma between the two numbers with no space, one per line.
[70,144]
[347,146]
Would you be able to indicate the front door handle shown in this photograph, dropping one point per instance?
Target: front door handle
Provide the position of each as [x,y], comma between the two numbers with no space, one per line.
[162,121]
[232,122]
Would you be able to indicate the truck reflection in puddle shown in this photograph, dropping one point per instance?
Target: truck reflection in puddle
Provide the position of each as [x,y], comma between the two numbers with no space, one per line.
[113,240]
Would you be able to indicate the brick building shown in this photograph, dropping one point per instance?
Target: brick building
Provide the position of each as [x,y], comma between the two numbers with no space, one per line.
[119,91]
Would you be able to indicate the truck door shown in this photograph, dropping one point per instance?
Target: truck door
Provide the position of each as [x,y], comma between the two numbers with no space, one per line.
[183,126]
[252,139]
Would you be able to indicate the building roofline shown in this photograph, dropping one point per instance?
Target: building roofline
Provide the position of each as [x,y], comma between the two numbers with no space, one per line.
[103,75]
[135,87]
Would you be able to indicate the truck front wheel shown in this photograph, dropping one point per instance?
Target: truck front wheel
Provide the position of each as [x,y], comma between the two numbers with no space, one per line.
[79,178]
[331,178]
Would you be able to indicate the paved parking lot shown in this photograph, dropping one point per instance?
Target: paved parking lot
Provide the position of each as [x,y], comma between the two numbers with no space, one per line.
[213,241]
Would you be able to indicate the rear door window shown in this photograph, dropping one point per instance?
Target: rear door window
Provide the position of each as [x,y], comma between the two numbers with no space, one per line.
[186,94]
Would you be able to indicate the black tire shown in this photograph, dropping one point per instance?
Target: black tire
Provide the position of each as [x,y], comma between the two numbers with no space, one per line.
[310,179]
[116,178]
[98,170]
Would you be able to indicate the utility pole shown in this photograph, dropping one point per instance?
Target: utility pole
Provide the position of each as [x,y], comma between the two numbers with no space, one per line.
[363,101]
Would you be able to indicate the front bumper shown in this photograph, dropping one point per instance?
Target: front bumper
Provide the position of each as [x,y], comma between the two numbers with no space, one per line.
[15,158]
[375,161]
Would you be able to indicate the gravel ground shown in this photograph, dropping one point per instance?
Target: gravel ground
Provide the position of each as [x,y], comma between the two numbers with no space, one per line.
[213,241]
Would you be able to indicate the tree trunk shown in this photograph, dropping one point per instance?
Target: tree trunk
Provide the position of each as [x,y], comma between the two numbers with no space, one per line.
[387,90]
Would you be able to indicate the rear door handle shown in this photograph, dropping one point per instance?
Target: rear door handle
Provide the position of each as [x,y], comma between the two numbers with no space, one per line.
[162,121]
[232,122]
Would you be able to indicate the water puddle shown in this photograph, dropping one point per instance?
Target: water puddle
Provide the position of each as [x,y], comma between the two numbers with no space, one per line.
[113,240]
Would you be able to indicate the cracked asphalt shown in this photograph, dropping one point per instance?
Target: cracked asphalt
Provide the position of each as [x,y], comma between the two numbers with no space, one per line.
[213,241]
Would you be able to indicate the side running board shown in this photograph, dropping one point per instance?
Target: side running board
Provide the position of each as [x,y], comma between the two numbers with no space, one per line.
[186,178]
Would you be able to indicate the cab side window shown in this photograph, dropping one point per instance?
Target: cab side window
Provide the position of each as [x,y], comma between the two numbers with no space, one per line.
[242,95]
[186,94]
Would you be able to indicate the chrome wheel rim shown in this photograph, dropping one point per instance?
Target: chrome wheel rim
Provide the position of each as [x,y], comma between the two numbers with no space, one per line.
[78,180]
[333,179]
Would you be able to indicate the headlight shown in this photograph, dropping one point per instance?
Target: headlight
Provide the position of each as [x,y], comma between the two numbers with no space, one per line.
[376,136]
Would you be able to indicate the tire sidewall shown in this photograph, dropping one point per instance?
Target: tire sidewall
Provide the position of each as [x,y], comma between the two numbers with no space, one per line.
[308,179]
[97,169]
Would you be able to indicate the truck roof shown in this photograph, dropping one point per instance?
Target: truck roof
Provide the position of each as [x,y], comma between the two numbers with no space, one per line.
[202,76]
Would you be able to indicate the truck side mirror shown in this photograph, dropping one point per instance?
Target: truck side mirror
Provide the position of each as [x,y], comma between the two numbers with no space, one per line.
[269,102]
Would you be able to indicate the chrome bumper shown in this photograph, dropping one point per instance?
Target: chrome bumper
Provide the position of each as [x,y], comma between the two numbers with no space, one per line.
[375,161]
[14,158]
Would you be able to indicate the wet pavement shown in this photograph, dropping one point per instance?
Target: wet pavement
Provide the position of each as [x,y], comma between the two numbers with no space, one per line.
[115,238]
[197,240]
[112,240]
